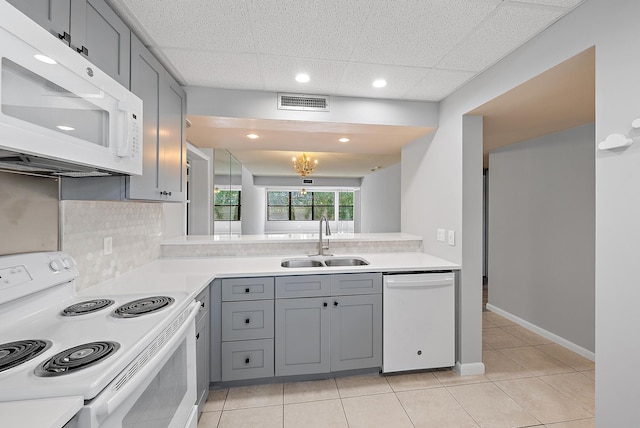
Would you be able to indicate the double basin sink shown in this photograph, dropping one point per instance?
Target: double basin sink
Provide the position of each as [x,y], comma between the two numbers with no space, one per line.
[320,262]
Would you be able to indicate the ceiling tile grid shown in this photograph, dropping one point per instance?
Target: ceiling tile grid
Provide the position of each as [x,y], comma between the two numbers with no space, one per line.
[217,69]
[425,49]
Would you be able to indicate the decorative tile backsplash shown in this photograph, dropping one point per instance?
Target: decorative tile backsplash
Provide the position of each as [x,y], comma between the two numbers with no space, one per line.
[134,227]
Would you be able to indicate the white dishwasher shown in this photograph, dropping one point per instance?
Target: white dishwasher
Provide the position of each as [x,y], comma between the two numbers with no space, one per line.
[418,321]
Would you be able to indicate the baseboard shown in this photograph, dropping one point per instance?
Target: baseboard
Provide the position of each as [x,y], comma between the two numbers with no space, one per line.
[544,333]
[469,369]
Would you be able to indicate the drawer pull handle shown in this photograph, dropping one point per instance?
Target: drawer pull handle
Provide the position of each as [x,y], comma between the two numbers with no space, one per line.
[335,303]
[247,321]
[197,336]
[325,304]
[246,360]
[202,305]
[247,290]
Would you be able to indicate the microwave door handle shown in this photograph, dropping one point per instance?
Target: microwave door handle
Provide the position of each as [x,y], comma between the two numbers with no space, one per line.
[124,148]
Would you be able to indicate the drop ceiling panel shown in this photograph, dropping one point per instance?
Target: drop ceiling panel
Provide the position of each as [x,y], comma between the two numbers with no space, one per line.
[222,25]
[358,78]
[509,27]
[303,29]
[218,69]
[437,84]
[278,73]
[417,32]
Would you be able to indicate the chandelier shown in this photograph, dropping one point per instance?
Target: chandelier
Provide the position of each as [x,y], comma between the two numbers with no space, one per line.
[304,166]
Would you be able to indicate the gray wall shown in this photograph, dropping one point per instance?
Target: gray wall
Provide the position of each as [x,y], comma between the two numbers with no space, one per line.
[380,201]
[541,233]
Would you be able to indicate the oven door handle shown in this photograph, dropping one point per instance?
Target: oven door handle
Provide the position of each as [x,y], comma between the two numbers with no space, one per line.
[111,398]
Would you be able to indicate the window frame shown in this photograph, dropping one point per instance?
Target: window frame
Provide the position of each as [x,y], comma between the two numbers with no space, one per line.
[290,205]
[238,205]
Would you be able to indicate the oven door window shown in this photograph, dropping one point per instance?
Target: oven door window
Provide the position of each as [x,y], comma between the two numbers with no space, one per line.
[32,98]
[164,403]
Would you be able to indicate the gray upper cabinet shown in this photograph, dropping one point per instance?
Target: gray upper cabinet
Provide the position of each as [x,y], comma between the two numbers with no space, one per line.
[99,34]
[89,27]
[164,153]
[303,329]
[52,15]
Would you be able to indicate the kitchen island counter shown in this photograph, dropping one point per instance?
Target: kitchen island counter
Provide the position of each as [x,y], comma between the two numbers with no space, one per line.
[194,274]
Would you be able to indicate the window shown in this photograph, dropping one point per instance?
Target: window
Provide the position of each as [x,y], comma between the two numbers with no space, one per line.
[296,206]
[226,205]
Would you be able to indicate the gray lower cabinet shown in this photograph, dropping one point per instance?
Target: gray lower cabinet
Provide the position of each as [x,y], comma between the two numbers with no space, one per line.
[247,328]
[89,27]
[356,332]
[303,334]
[203,346]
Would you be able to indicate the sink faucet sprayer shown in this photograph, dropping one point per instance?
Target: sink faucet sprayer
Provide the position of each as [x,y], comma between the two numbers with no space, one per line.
[321,247]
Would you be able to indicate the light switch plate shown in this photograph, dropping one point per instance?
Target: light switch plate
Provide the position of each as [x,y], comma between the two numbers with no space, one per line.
[107,245]
[441,235]
[452,237]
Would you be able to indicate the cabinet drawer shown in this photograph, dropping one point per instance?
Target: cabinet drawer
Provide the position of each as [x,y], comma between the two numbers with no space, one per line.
[234,289]
[247,320]
[203,298]
[247,359]
[356,283]
[303,286]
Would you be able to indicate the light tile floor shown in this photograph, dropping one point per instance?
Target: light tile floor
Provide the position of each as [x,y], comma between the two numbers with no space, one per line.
[529,382]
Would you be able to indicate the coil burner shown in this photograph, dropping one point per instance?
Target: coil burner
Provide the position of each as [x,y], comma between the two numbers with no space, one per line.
[87,307]
[77,358]
[144,306]
[13,354]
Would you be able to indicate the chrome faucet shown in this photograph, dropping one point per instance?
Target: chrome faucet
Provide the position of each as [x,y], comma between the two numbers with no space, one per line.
[321,246]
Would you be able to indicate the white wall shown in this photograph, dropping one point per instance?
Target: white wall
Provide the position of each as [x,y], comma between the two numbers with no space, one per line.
[612,28]
[541,233]
[254,203]
[380,201]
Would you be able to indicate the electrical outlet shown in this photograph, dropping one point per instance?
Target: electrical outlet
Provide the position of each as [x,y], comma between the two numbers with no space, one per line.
[441,235]
[452,238]
[107,247]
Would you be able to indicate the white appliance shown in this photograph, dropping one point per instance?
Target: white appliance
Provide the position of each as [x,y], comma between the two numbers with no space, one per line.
[56,107]
[418,321]
[131,357]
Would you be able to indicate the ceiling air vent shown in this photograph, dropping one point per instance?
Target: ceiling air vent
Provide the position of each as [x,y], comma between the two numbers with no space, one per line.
[303,102]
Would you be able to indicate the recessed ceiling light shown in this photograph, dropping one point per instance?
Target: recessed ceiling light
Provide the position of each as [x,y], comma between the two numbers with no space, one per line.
[380,83]
[45,59]
[344,140]
[65,128]
[253,136]
[302,78]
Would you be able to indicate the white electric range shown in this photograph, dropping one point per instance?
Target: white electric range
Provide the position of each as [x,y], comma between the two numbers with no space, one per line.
[131,357]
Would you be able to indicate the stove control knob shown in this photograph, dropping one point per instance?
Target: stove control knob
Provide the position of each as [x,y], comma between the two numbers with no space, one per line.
[55,265]
[68,262]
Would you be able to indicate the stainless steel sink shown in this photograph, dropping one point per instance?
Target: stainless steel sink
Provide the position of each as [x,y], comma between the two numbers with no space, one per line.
[301,263]
[323,262]
[346,261]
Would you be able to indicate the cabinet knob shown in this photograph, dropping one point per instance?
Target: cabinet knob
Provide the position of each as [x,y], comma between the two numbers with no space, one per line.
[335,303]
[197,336]
[202,305]
[246,360]
[65,36]
[83,50]
[247,321]
[419,352]
[325,304]
[247,290]
[165,193]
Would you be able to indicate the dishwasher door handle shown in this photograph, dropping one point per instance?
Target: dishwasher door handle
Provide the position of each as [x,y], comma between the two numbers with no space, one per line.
[418,284]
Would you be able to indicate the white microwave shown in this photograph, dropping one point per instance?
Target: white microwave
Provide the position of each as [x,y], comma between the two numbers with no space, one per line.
[58,108]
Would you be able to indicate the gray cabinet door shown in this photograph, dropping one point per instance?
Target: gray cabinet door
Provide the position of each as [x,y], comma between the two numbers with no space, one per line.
[356,332]
[202,360]
[100,35]
[302,336]
[303,286]
[52,15]
[247,320]
[356,283]
[173,161]
[234,289]
[146,75]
